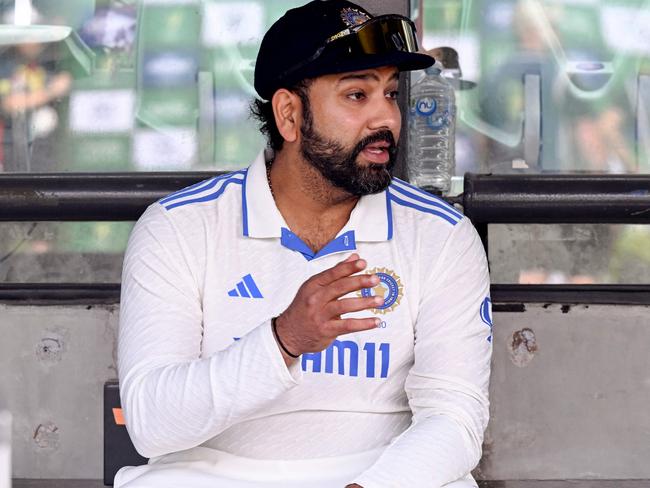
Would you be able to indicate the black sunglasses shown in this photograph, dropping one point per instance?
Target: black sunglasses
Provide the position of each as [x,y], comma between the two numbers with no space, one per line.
[383,34]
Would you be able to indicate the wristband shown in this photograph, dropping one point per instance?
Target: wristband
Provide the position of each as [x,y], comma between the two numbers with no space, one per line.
[277,338]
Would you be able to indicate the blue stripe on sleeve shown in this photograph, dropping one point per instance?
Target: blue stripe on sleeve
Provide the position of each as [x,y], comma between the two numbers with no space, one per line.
[421,196]
[199,187]
[431,211]
[201,184]
[205,198]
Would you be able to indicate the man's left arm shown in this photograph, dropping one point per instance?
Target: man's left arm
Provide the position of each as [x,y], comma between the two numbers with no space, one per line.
[447,387]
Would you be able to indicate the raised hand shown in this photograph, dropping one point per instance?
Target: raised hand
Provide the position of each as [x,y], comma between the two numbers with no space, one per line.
[313,320]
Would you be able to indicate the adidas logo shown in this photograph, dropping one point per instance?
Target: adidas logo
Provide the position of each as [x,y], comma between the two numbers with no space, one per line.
[246,288]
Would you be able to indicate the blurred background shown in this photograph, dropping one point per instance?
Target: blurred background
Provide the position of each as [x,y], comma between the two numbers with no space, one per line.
[164,85]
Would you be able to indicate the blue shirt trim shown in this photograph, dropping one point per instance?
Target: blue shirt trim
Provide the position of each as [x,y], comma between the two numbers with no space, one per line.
[244,205]
[389,216]
[206,198]
[448,218]
[424,197]
[198,187]
[188,190]
[291,241]
[344,242]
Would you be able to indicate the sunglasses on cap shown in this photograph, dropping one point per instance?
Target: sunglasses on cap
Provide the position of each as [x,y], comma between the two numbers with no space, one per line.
[381,35]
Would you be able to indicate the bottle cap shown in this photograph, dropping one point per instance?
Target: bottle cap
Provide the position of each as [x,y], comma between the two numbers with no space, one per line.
[447,57]
[436,68]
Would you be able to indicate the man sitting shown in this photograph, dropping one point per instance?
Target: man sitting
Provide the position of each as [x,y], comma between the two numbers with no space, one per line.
[309,321]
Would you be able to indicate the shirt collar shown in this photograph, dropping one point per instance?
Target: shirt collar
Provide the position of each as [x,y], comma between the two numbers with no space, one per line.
[262,219]
[371,219]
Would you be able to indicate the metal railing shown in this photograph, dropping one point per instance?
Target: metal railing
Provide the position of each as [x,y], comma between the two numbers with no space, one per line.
[487,199]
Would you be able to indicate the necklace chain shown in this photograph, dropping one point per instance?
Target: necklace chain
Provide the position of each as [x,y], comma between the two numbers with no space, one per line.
[268,178]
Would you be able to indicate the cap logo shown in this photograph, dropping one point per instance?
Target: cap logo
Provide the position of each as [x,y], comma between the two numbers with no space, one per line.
[352,17]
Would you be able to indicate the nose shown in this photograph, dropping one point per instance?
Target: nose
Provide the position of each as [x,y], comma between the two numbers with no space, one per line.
[386,115]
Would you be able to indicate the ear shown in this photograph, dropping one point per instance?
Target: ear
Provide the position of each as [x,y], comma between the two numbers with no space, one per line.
[287,109]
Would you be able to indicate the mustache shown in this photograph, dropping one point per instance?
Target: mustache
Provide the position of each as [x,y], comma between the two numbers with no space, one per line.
[379,136]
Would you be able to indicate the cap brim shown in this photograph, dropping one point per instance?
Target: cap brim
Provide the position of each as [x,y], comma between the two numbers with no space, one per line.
[403,61]
[329,64]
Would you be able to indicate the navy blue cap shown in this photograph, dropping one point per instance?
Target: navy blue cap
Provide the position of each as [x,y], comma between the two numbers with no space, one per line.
[287,54]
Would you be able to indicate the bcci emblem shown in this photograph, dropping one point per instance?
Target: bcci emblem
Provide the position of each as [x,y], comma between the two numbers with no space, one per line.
[389,288]
[352,17]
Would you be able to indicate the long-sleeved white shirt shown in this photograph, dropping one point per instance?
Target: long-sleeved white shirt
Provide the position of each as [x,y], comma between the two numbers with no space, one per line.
[207,267]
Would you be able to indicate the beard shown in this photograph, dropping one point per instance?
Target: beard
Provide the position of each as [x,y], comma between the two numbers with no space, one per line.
[339,165]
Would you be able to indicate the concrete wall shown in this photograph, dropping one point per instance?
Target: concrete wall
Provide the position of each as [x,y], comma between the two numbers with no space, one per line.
[54,363]
[570,390]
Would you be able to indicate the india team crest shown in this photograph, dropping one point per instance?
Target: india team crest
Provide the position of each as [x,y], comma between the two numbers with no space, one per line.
[352,17]
[390,288]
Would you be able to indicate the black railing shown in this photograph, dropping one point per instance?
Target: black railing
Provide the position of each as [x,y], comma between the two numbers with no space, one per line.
[86,197]
[557,199]
[541,199]
[487,199]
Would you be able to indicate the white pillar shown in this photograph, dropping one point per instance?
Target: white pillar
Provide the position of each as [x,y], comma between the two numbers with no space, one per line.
[23,12]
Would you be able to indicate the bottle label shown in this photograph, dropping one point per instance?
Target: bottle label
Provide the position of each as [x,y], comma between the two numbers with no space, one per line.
[439,121]
[426,106]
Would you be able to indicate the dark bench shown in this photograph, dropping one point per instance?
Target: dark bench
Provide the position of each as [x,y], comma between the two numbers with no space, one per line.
[118,448]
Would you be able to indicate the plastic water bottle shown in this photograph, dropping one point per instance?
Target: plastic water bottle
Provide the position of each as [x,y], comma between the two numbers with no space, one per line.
[5,449]
[432,127]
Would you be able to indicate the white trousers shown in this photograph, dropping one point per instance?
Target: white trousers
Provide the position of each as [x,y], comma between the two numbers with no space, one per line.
[202,467]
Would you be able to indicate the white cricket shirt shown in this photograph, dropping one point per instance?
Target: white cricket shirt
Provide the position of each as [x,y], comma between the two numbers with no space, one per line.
[207,267]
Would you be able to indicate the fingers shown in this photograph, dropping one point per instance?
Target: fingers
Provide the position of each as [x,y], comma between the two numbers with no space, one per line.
[347,326]
[349,284]
[352,257]
[313,319]
[349,305]
[345,268]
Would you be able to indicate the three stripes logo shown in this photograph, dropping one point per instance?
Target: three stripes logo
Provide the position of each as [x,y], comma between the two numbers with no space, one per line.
[246,288]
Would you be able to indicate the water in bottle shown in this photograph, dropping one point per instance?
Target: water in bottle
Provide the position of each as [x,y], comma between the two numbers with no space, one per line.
[432,116]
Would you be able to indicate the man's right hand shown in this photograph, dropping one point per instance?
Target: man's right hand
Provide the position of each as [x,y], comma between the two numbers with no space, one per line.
[313,320]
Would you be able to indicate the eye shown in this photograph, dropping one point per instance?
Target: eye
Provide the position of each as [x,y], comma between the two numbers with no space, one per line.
[392,94]
[358,95]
